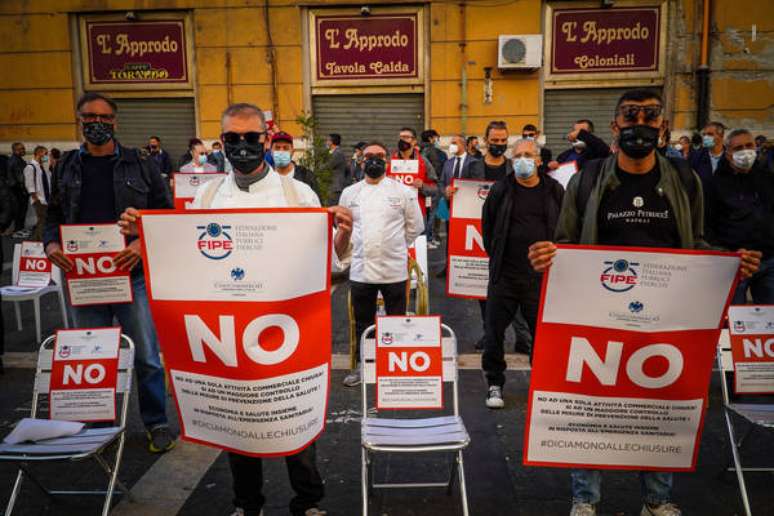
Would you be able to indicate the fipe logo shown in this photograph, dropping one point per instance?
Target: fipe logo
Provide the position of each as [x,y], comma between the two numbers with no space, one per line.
[214,242]
[387,339]
[619,276]
[194,181]
[739,326]
[483,192]
[65,352]
[72,246]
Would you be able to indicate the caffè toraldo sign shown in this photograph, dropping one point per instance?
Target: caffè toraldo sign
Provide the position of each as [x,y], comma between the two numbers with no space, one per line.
[591,42]
[144,54]
[355,49]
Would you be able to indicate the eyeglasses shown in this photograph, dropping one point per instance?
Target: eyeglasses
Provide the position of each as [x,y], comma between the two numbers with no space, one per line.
[631,112]
[528,135]
[251,137]
[380,155]
[97,117]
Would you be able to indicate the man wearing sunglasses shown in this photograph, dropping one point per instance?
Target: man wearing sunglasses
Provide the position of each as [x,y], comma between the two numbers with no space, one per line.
[93,185]
[253,183]
[593,213]
[585,146]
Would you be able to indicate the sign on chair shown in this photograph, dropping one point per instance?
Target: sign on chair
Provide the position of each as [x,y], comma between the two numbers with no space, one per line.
[409,362]
[84,373]
[34,266]
[752,348]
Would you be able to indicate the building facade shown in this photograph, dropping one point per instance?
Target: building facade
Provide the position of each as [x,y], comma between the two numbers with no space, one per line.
[365,71]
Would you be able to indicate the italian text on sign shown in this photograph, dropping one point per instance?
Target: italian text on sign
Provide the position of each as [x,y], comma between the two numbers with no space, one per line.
[622,359]
[242,309]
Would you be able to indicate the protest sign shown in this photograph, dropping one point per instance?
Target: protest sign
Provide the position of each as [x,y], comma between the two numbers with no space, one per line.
[468,265]
[752,348]
[242,309]
[94,278]
[621,364]
[84,373]
[409,362]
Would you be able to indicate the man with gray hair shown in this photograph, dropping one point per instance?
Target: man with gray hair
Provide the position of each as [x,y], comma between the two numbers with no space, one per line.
[253,183]
[739,207]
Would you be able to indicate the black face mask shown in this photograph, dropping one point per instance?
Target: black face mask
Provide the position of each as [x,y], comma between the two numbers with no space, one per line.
[638,141]
[403,146]
[374,167]
[497,150]
[98,133]
[245,157]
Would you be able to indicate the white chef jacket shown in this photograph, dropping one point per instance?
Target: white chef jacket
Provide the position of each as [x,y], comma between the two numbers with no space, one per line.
[266,193]
[386,220]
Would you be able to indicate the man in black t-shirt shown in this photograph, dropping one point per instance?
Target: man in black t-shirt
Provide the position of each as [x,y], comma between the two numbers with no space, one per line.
[520,209]
[94,185]
[638,199]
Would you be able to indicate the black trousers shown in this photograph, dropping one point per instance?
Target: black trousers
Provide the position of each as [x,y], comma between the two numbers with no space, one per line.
[503,301]
[304,478]
[22,203]
[364,303]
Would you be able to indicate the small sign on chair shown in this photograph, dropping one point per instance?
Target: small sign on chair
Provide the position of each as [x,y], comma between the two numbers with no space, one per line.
[409,362]
[84,374]
[34,266]
[752,348]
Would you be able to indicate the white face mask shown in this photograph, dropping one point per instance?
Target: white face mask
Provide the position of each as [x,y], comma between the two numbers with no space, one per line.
[579,145]
[678,147]
[744,158]
[453,149]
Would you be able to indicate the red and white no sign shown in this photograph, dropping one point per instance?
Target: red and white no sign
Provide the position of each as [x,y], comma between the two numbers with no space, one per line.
[468,267]
[621,365]
[752,348]
[84,373]
[34,266]
[409,362]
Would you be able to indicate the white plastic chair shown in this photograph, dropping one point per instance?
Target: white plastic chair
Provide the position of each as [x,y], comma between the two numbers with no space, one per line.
[12,294]
[757,415]
[89,443]
[412,435]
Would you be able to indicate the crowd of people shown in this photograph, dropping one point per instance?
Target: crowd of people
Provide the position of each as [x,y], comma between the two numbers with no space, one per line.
[714,193]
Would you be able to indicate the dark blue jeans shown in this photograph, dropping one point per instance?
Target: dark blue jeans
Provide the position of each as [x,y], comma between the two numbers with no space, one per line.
[656,486]
[136,322]
[761,285]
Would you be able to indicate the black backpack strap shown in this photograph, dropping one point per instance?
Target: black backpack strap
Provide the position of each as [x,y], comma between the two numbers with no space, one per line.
[588,178]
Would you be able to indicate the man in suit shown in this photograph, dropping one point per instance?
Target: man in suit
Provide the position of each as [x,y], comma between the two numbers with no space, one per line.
[338,165]
[705,160]
[460,165]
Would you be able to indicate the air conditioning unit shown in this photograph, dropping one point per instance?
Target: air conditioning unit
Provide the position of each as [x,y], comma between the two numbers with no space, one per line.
[520,52]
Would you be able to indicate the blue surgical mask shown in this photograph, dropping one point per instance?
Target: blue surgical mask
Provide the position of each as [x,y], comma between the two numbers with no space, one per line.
[202,159]
[524,168]
[281,158]
[708,141]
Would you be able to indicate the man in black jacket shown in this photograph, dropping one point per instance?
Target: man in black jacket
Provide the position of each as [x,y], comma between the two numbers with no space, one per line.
[16,166]
[160,156]
[740,212]
[339,169]
[521,209]
[585,146]
[94,185]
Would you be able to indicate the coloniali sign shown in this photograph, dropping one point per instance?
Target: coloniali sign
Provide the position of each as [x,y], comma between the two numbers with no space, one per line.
[592,41]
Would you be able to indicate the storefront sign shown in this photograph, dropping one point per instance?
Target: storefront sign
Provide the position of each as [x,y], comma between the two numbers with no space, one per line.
[243,312]
[380,46]
[468,262]
[752,348]
[138,52]
[622,363]
[588,41]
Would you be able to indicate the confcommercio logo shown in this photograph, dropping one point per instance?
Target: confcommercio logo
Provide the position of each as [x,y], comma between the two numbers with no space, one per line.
[619,275]
[214,241]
